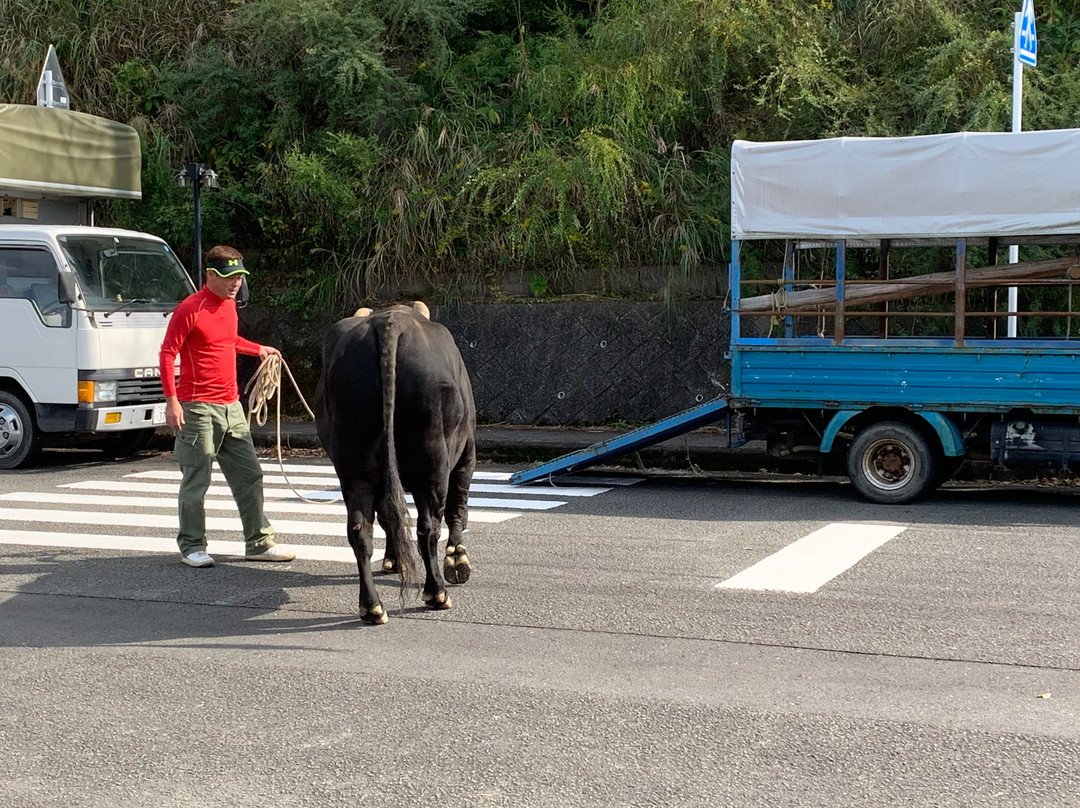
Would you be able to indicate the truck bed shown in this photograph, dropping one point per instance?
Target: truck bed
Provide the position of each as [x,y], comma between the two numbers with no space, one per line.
[990,376]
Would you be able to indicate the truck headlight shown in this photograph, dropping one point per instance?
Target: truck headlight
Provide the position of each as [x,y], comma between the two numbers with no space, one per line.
[105,391]
[96,392]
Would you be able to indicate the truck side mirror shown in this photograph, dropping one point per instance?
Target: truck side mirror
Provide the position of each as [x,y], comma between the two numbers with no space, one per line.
[67,289]
[244,294]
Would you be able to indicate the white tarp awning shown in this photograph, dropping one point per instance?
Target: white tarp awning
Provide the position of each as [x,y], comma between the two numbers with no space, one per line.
[964,184]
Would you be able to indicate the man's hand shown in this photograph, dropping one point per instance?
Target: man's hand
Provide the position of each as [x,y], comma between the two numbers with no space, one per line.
[268,350]
[174,413]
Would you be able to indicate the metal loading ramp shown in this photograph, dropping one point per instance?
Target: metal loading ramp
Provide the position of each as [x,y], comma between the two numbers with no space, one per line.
[670,427]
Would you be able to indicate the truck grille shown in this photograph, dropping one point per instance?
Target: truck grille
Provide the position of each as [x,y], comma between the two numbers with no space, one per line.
[139,391]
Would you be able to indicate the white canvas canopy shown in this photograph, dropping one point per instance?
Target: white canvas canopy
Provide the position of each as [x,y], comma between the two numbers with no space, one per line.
[61,153]
[964,184]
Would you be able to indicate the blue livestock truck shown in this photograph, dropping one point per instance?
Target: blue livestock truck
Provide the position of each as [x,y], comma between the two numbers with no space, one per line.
[882,320]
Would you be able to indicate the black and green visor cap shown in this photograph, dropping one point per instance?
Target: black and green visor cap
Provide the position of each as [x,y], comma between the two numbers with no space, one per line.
[226,269]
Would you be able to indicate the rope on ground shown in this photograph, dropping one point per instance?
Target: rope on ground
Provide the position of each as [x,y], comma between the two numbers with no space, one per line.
[694,467]
[265,385]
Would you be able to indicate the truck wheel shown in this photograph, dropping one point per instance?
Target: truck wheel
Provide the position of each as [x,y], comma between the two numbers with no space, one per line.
[892,463]
[20,440]
[125,444]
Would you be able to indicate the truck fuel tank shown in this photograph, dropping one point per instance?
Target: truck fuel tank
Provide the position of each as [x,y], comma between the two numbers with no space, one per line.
[1035,444]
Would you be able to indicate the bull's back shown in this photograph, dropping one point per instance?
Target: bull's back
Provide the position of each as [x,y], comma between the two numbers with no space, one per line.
[429,365]
[348,399]
[433,395]
[434,401]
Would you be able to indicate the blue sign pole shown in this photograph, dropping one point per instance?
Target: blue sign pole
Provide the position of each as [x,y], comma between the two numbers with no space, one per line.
[1025,52]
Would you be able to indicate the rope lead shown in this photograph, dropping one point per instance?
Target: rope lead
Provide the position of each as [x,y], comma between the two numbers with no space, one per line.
[263,386]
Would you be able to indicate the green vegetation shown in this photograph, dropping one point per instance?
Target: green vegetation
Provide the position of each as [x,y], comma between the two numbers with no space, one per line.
[367,148]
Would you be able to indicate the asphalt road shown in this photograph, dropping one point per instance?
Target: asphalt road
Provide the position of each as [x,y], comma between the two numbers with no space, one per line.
[590,661]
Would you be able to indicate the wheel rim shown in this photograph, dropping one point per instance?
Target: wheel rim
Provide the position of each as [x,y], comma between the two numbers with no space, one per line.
[888,464]
[12,433]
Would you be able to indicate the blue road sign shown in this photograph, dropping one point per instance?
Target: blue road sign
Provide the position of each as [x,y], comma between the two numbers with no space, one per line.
[1026,53]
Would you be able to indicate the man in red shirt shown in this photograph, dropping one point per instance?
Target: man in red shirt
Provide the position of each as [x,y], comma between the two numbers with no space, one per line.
[204,409]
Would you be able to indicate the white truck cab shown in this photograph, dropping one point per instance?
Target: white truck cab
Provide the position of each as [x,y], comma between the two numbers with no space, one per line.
[83,309]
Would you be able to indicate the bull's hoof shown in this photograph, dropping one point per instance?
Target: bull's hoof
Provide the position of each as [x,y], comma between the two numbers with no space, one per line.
[374,616]
[456,567]
[438,601]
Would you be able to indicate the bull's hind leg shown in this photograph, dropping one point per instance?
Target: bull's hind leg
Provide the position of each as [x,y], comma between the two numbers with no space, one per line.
[360,502]
[390,563]
[429,512]
[456,567]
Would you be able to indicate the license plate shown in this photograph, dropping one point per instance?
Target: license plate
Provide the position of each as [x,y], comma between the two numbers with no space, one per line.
[159,414]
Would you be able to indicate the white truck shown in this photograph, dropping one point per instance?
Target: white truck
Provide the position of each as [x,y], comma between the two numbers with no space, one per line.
[83,309]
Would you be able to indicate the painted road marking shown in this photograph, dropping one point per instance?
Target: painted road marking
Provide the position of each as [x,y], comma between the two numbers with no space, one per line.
[325,469]
[150,544]
[332,484]
[101,503]
[501,476]
[170,521]
[811,562]
[288,493]
[212,504]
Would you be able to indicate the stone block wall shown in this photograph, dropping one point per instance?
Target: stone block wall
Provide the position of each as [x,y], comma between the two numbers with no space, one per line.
[590,362]
[557,363]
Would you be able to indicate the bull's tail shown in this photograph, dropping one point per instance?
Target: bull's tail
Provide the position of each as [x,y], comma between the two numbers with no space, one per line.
[397,538]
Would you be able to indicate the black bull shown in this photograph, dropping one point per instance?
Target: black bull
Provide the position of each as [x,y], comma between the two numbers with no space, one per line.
[395,413]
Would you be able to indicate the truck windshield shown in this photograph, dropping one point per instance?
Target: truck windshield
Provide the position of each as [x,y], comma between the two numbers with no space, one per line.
[133,273]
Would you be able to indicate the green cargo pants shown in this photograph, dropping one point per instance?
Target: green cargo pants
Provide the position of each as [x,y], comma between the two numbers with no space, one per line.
[219,431]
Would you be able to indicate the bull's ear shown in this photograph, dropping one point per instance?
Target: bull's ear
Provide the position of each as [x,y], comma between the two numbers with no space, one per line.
[421,307]
[362,312]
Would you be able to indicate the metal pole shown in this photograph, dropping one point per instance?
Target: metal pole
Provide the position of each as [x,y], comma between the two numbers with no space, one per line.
[195,172]
[1017,111]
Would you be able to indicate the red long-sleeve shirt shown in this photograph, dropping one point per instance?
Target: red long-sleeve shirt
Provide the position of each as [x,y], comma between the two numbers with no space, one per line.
[203,331]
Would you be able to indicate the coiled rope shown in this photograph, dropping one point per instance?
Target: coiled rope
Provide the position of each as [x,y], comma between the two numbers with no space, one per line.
[266,385]
[779,301]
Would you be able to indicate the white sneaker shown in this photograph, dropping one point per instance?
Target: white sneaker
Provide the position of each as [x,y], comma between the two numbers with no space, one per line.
[199,558]
[275,553]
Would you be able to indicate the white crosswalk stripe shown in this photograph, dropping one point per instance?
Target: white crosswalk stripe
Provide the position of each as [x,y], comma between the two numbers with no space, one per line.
[273,467]
[166,503]
[149,544]
[288,493]
[332,483]
[145,501]
[165,521]
[811,562]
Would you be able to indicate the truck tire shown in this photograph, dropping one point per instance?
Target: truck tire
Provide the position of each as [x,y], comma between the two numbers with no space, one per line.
[20,439]
[127,443]
[892,463]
